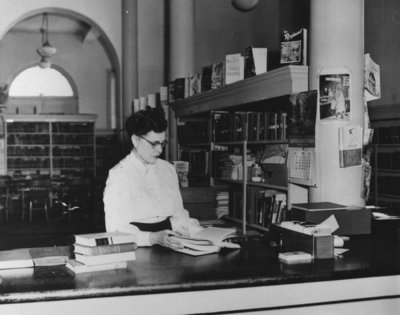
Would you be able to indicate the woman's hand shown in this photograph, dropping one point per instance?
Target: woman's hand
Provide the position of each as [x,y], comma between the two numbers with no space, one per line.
[164,238]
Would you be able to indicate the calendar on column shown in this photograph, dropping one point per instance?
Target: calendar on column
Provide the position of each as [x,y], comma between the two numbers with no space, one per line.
[301,165]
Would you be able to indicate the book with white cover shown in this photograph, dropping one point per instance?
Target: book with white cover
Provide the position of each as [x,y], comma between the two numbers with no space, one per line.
[78,267]
[105,259]
[104,238]
[15,258]
[234,68]
[208,240]
[295,257]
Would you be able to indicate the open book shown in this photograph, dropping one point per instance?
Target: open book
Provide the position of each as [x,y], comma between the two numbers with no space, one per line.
[207,241]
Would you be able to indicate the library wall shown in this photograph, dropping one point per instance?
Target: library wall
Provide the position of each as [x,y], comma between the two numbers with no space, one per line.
[221,30]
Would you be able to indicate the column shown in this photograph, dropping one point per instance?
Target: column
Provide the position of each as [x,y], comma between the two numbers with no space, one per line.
[129,56]
[337,42]
[181,53]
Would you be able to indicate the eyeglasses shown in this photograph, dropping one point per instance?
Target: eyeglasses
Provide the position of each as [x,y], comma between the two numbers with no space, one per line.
[156,143]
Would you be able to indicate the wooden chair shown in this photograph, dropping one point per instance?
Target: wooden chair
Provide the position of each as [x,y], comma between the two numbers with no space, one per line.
[37,196]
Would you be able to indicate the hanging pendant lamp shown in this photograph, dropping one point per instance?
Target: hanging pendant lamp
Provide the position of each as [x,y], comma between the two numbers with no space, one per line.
[46,51]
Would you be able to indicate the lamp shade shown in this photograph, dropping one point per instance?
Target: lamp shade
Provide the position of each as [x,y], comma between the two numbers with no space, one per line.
[244,5]
[47,50]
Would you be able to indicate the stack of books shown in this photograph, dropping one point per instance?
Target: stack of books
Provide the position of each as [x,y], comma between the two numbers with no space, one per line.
[102,251]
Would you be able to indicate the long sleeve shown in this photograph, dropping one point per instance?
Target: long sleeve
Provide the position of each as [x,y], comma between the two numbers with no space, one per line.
[147,194]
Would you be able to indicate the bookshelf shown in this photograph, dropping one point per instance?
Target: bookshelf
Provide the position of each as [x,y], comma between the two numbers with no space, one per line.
[385,179]
[108,151]
[198,130]
[49,145]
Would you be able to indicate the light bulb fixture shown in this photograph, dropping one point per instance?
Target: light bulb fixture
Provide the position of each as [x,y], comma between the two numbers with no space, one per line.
[244,5]
[46,51]
[44,63]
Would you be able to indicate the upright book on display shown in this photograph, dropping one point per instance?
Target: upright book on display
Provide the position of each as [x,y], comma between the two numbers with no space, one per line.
[350,145]
[294,47]
[234,68]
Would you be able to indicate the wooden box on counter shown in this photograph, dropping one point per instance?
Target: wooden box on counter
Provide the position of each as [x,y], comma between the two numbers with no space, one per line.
[320,246]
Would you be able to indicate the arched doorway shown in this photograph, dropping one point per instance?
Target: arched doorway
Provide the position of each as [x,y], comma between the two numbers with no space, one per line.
[84,52]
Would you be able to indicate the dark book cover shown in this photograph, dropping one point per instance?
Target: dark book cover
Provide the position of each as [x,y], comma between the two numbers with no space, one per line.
[301,118]
[217,75]
[317,206]
[206,78]
[179,88]
[249,66]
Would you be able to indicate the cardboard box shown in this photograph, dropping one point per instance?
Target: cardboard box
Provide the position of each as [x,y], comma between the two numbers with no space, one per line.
[320,246]
[352,221]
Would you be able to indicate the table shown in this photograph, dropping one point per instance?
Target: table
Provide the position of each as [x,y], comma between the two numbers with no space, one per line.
[161,281]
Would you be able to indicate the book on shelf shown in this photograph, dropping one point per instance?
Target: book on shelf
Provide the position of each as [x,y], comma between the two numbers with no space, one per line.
[207,241]
[255,61]
[105,259]
[182,170]
[295,257]
[104,249]
[181,89]
[372,79]
[350,145]
[269,208]
[318,206]
[206,76]
[77,267]
[217,75]
[234,68]
[294,47]
[194,84]
[104,238]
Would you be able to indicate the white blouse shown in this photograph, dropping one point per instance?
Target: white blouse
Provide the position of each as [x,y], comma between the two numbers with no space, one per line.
[136,192]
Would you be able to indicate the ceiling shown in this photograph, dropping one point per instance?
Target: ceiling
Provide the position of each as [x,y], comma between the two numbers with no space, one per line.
[58,24]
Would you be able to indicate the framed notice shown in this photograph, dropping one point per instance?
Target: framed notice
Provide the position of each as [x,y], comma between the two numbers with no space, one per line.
[334,92]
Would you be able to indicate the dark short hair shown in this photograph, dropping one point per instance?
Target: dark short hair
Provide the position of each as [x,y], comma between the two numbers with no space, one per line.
[146,120]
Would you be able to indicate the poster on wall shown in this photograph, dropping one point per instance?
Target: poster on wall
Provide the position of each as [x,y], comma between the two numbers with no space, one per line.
[334,91]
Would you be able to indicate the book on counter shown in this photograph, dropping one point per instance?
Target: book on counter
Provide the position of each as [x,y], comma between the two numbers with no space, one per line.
[350,145]
[294,47]
[91,260]
[30,257]
[104,249]
[207,241]
[104,238]
[78,267]
[295,257]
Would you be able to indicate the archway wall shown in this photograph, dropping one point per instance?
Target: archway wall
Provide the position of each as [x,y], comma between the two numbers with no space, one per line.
[86,64]
[105,13]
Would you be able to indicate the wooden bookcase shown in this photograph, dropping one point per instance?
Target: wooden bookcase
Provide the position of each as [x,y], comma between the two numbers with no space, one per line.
[262,93]
[385,179]
[49,145]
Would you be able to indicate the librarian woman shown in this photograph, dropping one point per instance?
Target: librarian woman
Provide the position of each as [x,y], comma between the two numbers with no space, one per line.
[142,193]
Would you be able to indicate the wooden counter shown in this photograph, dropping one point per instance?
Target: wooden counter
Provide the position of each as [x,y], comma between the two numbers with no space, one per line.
[161,281]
